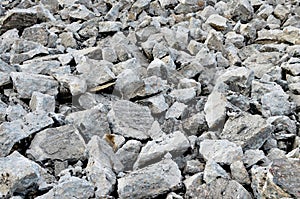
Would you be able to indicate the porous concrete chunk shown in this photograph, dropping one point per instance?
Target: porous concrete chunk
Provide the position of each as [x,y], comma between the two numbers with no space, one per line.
[128,83]
[61,143]
[101,166]
[219,188]
[15,131]
[213,171]
[286,175]
[90,122]
[109,26]
[263,184]
[221,151]
[26,84]
[70,187]
[239,172]
[18,175]
[128,153]
[130,120]
[183,95]
[150,181]
[176,110]
[248,131]
[217,22]
[175,143]
[252,157]
[42,102]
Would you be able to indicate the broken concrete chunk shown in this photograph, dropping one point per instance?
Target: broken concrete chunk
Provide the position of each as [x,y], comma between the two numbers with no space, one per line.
[217,22]
[176,110]
[175,144]
[109,26]
[252,157]
[61,143]
[248,131]
[130,119]
[26,84]
[150,181]
[183,95]
[213,171]
[74,84]
[239,172]
[221,151]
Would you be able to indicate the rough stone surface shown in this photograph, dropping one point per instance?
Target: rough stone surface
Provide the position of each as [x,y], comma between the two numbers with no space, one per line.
[153,180]
[221,151]
[175,144]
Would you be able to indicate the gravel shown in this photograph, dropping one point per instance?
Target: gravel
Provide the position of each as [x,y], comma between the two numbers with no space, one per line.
[149,99]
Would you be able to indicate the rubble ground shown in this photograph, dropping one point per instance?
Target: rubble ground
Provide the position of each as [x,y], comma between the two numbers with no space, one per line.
[137,99]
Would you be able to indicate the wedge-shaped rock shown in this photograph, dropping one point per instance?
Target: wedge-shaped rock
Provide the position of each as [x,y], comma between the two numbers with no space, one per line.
[221,151]
[26,84]
[90,122]
[150,181]
[219,188]
[13,132]
[175,143]
[61,143]
[101,166]
[248,131]
[130,120]
[70,187]
[18,175]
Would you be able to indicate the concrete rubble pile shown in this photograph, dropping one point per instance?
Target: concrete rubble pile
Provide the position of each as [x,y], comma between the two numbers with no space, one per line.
[175,99]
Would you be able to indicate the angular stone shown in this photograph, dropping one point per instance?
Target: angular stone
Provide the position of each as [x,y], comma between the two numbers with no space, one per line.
[26,84]
[95,72]
[252,157]
[281,12]
[15,131]
[215,110]
[109,26]
[286,175]
[248,131]
[70,187]
[213,171]
[128,83]
[214,40]
[67,40]
[239,172]
[19,19]
[18,175]
[81,12]
[235,39]
[183,95]
[291,34]
[176,110]
[101,166]
[7,40]
[221,151]
[292,66]
[158,104]
[37,33]
[175,144]
[263,184]
[130,119]
[39,67]
[61,143]
[217,22]
[242,10]
[219,188]
[42,102]
[90,122]
[76,85]
[150,181]
[128,153]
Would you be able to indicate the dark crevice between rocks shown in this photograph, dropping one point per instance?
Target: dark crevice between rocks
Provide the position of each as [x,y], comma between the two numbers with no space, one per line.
[139,98]
[115,193]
